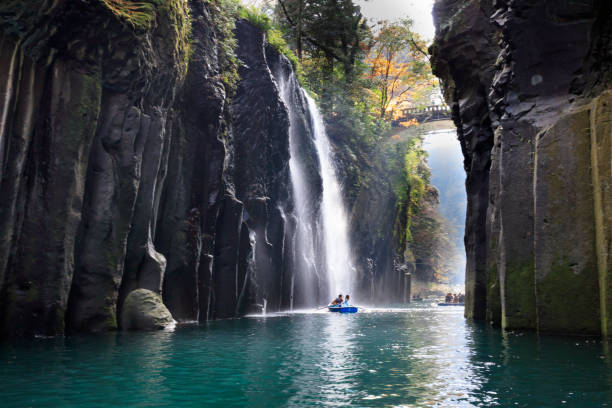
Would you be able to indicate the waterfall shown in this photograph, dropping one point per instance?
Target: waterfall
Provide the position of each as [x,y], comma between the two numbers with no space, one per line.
[335,222]
[322,238]
[304,267]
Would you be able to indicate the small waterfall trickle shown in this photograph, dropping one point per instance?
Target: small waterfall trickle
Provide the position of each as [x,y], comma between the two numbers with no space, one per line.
[322,238]
[335,222]
[240,294]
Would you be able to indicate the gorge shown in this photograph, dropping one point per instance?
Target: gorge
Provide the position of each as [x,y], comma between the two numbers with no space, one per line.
[151,177]
[185,184]
[148,156]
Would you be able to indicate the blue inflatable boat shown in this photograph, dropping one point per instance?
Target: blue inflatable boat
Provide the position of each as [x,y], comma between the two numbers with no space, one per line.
[343,309]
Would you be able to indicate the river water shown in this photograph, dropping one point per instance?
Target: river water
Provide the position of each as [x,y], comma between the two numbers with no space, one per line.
[419,356]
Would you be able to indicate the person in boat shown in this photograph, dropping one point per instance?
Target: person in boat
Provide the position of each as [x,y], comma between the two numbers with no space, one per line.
[346,302]
[337,301]
[449,298]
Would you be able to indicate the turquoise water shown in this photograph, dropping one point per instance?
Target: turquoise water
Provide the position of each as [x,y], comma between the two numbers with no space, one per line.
[421,356]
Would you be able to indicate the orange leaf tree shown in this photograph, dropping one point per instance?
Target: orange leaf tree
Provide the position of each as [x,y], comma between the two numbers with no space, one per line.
[398,66]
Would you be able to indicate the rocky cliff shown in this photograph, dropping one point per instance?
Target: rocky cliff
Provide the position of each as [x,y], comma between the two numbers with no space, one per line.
[401,241]
[125,164]
[530,86]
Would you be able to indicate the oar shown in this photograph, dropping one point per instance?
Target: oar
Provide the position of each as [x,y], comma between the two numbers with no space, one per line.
[322,307]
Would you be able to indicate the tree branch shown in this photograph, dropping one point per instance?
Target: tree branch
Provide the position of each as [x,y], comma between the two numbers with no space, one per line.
[311,40]
[417,47]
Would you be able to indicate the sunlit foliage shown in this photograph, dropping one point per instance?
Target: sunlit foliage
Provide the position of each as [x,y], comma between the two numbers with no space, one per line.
[399,67]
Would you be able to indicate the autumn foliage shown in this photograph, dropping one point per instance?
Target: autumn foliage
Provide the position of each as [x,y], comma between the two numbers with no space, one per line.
[399,68]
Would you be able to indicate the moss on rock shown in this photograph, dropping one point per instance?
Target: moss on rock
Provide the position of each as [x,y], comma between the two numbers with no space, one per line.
[567,309]
[145,310]
[519,308]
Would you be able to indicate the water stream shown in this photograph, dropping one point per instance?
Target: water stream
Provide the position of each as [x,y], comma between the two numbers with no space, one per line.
[335,222]
[418,356]
[322,237]
[304,267]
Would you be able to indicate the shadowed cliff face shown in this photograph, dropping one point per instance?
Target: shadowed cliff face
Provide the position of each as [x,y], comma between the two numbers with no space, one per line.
[77,117]
[123,166]
[529,85]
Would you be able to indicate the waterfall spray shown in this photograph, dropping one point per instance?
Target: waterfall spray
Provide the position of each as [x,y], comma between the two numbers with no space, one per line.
[322,239]
[305,272]
[335,222]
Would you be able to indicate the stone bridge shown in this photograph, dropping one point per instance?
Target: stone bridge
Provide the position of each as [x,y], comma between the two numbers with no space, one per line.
[423,115]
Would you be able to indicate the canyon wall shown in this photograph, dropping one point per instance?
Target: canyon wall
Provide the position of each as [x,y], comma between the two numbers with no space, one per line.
[130,159]
[530,86]
[402,243]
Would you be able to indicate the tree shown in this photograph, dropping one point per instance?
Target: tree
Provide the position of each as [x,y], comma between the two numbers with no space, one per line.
[398,64]
[334,28]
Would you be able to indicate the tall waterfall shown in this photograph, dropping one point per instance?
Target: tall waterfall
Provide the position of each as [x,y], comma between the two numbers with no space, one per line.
[305,273]
[335,222]
[322,258]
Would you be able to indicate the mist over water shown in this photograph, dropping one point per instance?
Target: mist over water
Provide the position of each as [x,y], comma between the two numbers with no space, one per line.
[448,176]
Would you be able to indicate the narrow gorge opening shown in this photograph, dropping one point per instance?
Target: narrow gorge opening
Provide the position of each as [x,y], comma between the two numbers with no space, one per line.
[187,185]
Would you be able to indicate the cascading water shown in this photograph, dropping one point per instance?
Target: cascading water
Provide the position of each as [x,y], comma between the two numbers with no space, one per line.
[305,269]
[335,222]
[322,239]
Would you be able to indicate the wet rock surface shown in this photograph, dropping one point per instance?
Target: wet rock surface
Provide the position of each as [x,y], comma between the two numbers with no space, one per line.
[525,80]
[124,168]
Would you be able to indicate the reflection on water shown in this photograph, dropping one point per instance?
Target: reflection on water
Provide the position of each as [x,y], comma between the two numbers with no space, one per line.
[338,366]
[421,356]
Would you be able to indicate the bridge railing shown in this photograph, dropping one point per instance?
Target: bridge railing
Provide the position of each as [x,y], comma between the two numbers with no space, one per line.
[426,109]
[425,114]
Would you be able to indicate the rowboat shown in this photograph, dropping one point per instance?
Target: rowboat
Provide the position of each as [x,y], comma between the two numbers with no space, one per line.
[451,304]
[342,309]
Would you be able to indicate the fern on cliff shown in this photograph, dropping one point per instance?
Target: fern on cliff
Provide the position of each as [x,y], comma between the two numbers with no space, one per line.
[171,19]
[224,14]
[273,35]
[139,14]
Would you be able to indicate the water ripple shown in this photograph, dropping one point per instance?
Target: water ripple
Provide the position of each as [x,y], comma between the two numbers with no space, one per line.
[421,356]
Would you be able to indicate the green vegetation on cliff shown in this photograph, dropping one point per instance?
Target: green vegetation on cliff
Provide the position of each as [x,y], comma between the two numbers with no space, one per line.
[170,17]
[225,12]
[273,35]
[424,238]
[362,74]
[140,14]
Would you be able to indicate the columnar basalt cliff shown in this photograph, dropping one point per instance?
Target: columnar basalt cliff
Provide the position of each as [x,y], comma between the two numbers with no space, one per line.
[530,85]
[125,164]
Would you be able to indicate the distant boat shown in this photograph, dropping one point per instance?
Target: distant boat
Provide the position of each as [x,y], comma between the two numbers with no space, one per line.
[451,304]
[343,309]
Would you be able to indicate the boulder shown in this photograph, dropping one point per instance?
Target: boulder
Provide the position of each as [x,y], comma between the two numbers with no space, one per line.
[144,310]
